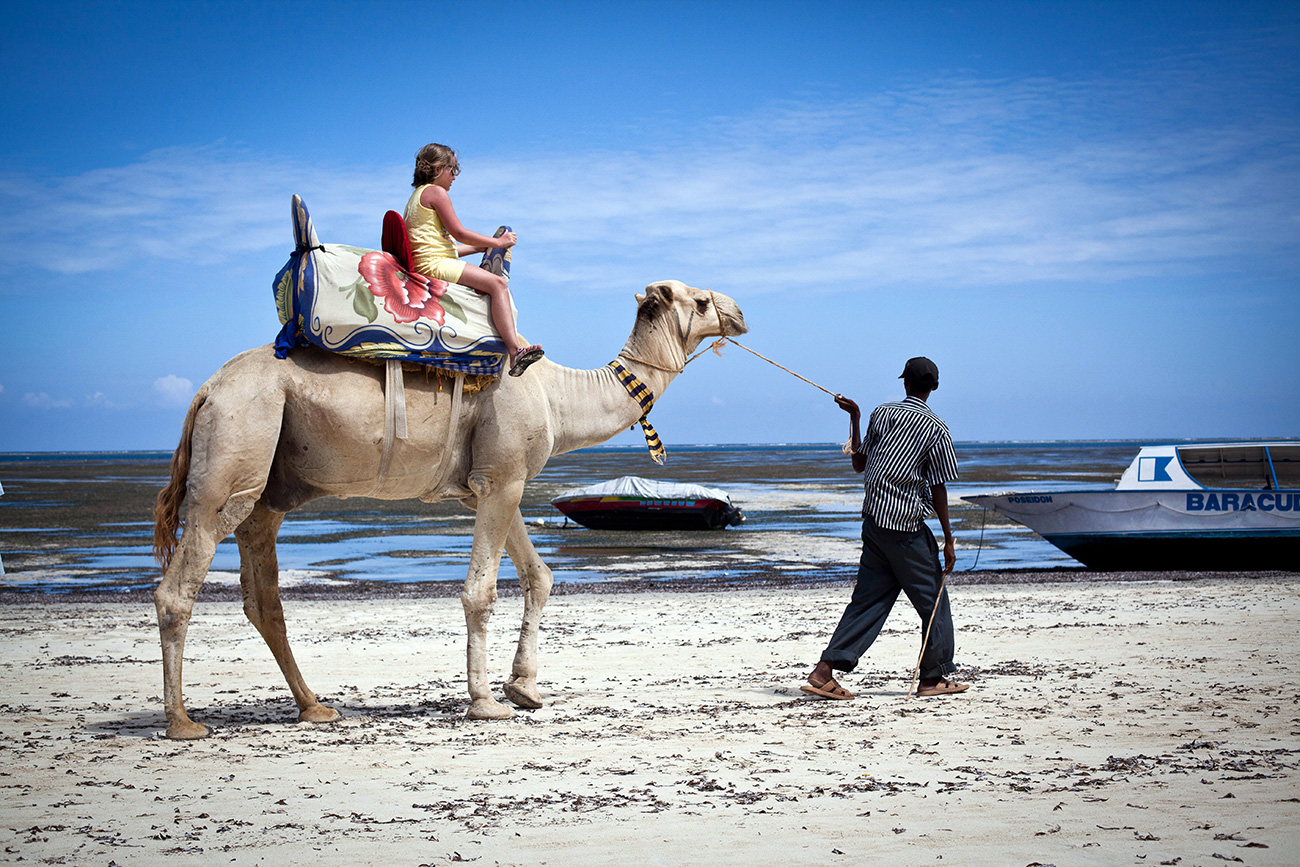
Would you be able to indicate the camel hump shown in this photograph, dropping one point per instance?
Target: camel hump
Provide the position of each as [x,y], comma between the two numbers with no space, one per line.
[304,233]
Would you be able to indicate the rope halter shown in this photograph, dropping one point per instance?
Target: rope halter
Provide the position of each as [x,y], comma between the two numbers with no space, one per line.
[642,394]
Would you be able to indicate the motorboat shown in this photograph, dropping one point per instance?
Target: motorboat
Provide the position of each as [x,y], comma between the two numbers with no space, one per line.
[1215,506]
[634,503]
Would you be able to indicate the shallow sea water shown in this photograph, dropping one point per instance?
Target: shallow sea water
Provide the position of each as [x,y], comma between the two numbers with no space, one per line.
[71,522]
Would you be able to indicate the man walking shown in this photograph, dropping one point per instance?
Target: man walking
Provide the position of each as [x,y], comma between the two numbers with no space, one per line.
[909,459]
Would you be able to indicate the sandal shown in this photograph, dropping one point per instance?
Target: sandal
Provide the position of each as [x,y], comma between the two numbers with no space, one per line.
[829,689]
[943,687]
[525,356]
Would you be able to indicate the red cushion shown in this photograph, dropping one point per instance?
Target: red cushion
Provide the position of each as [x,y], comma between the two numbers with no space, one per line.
[395,241]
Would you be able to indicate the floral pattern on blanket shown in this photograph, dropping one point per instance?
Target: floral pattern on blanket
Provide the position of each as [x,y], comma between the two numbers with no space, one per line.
[407,296]
[361,303]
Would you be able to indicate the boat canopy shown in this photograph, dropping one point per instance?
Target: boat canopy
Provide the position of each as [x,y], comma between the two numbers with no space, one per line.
[1268,466]
[646,489]
[1263,466]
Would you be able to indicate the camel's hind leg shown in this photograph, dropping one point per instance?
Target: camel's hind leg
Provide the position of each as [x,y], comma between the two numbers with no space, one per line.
[219,471]
[535,579]
[259,577]
[174,599]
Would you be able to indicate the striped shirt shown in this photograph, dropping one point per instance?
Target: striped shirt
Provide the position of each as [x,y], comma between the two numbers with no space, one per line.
[908,449]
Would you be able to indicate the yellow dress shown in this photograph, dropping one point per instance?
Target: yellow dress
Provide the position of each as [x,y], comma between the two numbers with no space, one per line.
[433,252]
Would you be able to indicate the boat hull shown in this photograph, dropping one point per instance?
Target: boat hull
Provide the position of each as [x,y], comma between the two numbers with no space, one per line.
[1212,530]
[616,513]
[1200,552]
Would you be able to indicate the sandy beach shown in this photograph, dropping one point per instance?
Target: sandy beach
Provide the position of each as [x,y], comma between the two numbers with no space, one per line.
[1107,723]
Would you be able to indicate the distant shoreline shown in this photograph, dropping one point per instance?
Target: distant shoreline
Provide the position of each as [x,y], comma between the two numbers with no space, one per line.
[164,454]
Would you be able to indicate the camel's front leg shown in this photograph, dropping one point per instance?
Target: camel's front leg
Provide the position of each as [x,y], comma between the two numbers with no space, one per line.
[496,507]
[535,579]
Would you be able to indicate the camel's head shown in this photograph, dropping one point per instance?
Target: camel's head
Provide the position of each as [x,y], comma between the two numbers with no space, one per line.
[692,314]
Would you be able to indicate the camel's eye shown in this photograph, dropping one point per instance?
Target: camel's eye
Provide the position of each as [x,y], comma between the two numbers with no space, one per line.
[701,304]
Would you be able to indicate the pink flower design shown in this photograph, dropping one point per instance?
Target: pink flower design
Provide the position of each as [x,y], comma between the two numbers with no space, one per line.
[407,295]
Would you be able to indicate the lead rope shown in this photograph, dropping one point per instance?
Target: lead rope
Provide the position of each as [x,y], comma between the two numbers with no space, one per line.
[984,516]
[716,346]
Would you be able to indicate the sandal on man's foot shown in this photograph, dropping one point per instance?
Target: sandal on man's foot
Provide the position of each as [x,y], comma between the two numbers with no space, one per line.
[942,687]
[829,689]
[524,357]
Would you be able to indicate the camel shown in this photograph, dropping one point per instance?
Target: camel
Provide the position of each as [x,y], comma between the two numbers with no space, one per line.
[264,435]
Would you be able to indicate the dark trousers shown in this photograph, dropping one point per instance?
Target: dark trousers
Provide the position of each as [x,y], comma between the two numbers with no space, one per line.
[893,561]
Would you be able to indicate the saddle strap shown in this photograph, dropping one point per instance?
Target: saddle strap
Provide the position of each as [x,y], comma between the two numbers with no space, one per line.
[395,399]
[457,398]
[394,414]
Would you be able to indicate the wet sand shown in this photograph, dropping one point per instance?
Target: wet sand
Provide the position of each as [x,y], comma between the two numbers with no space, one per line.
[1109,722]
[83,522]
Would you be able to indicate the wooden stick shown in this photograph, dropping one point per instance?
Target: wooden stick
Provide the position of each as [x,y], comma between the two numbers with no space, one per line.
[925,642]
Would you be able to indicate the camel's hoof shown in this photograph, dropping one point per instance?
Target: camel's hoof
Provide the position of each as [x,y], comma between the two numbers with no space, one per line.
[319,713]
[488,708]
[523,694]
[187,730]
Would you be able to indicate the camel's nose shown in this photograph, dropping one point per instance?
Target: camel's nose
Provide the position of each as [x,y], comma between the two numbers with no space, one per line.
[735,322]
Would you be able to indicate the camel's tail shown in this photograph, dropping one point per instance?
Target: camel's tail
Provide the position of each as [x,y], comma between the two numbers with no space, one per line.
[167,510]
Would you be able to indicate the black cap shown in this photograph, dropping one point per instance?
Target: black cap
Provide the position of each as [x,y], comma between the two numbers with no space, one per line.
[922,372]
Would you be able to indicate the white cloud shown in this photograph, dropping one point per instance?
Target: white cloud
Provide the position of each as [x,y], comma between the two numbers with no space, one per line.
[173,389]
[951,183]
[100,399]
[196,205]
[44,401]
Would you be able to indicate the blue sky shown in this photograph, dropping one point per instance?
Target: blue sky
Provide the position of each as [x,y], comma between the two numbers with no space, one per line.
[1087,213]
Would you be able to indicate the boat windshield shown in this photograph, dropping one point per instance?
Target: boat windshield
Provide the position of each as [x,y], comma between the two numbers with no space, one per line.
[1244,466]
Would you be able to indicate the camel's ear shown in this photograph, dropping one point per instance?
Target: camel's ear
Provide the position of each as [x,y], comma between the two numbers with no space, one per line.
[656,299]
[663,289]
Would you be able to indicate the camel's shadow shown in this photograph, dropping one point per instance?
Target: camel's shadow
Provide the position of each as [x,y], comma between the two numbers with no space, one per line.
[275,714]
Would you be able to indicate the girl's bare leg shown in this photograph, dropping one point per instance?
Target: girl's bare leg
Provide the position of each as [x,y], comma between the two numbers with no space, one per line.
[497,289]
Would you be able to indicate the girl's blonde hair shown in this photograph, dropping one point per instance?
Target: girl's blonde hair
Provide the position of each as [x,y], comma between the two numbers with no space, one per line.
[429,160]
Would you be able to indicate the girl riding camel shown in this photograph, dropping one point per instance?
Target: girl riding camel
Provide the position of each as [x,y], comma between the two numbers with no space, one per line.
[438,240]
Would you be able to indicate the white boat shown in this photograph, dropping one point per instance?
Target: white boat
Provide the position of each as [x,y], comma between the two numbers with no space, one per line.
[1216,506]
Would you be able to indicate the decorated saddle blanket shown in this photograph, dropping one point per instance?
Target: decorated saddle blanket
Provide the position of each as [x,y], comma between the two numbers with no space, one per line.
[362,303]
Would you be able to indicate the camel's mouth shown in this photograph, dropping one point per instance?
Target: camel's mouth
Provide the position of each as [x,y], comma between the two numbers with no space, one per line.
[733,323]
